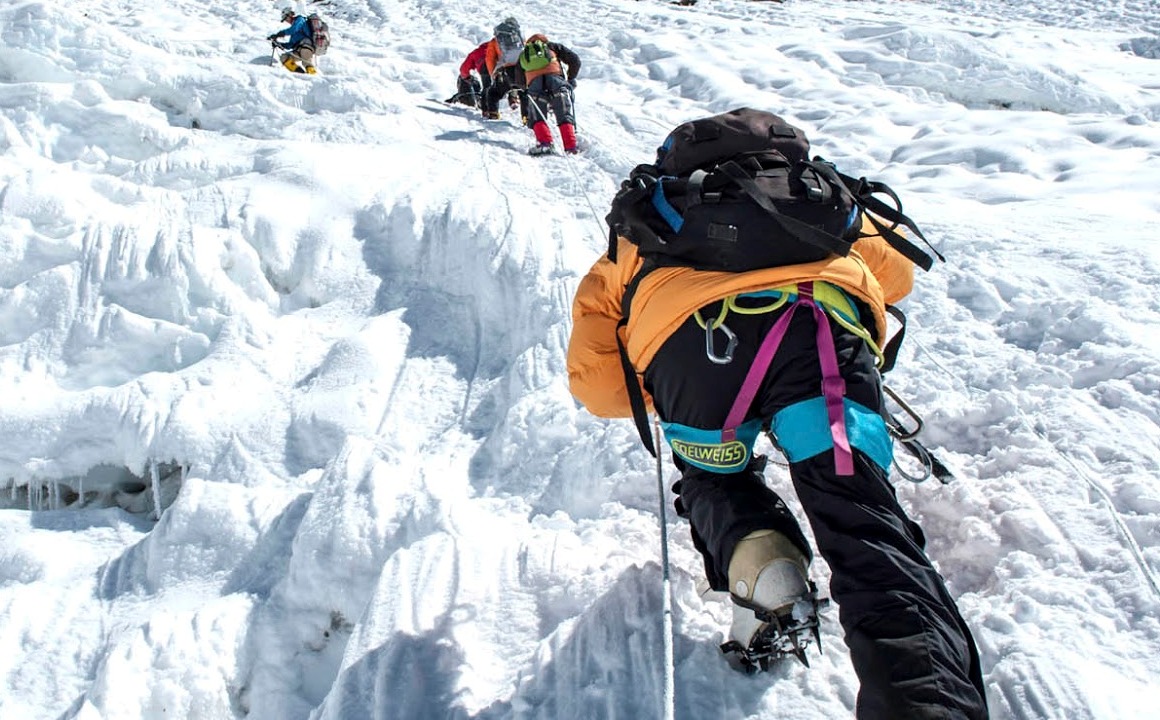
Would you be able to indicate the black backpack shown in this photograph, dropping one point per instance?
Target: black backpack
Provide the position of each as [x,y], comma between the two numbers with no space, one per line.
[738,192]
[508,35]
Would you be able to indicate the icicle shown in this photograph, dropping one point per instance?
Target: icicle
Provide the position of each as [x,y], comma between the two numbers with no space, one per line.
[156,475]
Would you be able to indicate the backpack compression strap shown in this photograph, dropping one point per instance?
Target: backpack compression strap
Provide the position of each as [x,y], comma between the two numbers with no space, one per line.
[863,191]
[802,231]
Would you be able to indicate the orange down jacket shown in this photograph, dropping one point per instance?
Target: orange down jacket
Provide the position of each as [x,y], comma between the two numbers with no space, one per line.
[873,272]
[494,57]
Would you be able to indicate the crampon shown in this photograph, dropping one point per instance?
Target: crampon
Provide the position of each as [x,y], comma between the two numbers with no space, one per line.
[787,632]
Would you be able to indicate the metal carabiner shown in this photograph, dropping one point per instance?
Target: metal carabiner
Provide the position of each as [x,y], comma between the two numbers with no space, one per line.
[730,344]
[895,427]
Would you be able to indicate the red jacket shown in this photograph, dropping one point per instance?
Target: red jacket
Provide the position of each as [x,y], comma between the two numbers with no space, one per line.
[476,60]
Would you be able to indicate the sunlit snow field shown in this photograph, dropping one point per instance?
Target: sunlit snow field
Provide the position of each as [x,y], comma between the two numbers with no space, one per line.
[319,324]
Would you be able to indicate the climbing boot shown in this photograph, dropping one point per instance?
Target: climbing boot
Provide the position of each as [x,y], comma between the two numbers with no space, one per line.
[775,606]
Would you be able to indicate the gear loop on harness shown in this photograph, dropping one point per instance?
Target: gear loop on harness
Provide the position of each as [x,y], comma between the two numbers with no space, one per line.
[833,301]
[720,319]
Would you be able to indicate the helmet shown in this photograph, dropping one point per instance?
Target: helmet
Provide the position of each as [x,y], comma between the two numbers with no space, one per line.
[287,13]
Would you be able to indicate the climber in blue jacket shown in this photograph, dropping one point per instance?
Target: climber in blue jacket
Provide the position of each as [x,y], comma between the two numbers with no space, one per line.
[299,55]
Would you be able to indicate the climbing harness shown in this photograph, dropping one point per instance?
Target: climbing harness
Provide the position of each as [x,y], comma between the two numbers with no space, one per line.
[836,304]
[729,449]
[813,425]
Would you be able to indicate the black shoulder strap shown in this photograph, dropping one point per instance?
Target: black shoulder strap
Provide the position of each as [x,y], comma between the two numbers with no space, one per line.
[894,344]
[635,392]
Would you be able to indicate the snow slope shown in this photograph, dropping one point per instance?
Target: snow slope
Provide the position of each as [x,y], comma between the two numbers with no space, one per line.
[317,325]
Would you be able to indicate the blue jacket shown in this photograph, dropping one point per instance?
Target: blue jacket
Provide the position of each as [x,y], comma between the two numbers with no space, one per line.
[299,32]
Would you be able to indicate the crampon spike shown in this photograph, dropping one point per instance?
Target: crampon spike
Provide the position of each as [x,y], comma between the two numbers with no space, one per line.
[800,654]
[787,633]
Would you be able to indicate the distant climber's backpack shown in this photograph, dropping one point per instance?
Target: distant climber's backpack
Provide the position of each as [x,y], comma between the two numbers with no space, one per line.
[536,55]
[509,36]
[738,191]
[319,33]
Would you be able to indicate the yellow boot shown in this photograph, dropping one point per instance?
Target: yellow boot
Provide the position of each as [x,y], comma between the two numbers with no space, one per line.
[310,70]
[292,65]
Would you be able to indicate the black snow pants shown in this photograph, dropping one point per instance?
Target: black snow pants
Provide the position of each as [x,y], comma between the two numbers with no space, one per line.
[912,650]
[504,81]
[550,91]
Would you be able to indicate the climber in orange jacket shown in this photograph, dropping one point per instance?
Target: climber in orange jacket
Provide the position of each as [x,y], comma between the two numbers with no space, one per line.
[692,337]
[501,61]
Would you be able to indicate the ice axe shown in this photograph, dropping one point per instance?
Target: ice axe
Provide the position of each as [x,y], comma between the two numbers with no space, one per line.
[275,46]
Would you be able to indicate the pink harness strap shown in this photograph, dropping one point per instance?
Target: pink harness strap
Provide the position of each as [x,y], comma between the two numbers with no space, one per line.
[833,386]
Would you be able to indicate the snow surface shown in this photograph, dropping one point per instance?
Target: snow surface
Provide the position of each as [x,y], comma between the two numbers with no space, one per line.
[320,323]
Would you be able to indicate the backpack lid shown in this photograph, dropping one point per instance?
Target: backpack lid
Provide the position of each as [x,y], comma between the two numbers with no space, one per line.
[756,166]
[700,144]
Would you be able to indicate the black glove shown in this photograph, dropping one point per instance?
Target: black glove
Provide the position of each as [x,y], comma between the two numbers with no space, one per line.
[572,83]
[272,38]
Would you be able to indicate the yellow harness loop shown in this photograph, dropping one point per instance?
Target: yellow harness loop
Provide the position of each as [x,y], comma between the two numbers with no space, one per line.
[835,302]
[720,316]
[781,299]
